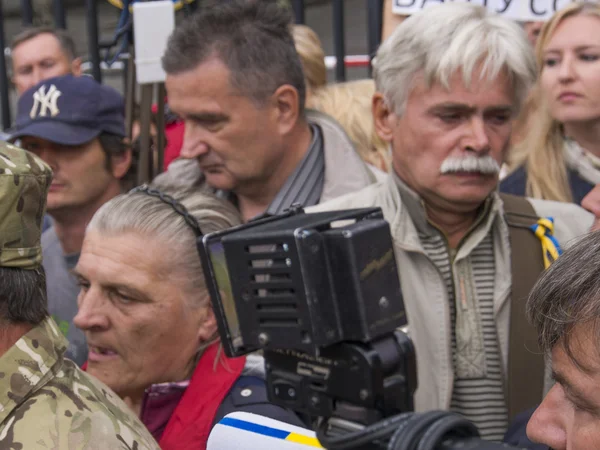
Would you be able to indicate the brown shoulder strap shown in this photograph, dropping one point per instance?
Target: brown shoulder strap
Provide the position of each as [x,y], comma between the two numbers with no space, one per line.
[525,380]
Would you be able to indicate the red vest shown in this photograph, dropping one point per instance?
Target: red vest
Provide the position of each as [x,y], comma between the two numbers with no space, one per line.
[190,424]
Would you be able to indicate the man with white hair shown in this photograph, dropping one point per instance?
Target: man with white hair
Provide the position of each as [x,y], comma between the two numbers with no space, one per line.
[450,81]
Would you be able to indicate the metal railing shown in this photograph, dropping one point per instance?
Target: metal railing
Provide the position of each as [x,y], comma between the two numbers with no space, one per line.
[374,25]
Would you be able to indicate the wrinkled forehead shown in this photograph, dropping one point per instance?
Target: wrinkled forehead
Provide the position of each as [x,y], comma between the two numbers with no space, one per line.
[141,260]
[477,88]
[580,347]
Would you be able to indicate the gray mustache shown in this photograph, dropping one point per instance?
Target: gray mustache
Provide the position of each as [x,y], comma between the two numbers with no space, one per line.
[474,164]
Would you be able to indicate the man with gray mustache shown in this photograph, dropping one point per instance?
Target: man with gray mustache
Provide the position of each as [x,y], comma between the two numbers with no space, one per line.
[450,80]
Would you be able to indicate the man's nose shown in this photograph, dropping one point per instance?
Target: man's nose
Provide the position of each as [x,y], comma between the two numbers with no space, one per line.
[547,425]
[194,142]
[91,315]
[478,140]
[37,76]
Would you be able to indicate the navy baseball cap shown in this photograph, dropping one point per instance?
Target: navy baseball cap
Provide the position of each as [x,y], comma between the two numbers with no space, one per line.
[69,110]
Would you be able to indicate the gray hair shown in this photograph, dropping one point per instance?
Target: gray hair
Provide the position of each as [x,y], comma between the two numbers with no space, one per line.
[148,215]
[444,39]
[251,37]
[567,294]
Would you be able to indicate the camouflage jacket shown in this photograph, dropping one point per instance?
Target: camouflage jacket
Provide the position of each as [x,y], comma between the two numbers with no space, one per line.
[47,402]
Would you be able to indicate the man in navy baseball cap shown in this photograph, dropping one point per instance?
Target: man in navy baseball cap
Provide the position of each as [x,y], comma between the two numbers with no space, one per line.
[70,110]
[77,126]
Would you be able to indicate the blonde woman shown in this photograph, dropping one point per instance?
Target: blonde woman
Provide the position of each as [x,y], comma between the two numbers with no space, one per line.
[309,48]
[559,158]
[350,104]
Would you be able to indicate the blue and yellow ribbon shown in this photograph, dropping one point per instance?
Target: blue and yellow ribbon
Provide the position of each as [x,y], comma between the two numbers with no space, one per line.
[544,230]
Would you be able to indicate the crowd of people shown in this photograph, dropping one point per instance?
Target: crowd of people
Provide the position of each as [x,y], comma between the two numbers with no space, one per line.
[478,137]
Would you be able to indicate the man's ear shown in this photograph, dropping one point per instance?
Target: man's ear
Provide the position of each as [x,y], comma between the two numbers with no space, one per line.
[120,164]
[286,107]
[208,329]
[76,67]
[383,118]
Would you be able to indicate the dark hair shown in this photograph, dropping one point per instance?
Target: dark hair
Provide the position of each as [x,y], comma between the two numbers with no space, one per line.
[251,37]
[23,296]
[567,295]
[67,44]
[115,145]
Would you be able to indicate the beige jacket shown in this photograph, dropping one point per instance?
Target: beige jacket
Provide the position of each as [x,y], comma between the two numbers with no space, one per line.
[424,290]
[345,171]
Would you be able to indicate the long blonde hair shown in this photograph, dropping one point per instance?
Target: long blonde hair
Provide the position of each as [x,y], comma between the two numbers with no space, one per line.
[350,104]
[542,149]
[312,56]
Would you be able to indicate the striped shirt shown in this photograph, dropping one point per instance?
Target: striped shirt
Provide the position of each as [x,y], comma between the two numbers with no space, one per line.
[478,391]
[305,184]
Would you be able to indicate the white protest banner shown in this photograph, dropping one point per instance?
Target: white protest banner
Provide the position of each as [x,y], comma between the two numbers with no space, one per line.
[408,7]
[522,10]
[526,10]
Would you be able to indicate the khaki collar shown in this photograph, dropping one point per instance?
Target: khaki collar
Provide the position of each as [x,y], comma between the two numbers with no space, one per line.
[415,207]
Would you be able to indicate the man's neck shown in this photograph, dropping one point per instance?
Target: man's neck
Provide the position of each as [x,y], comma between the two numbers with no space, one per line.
[70,223]
[587,135]
[454,225]
[255,199]
[10,333]
[452,219]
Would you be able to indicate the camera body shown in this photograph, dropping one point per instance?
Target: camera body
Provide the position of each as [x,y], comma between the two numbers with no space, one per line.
[319,294]
[304,281]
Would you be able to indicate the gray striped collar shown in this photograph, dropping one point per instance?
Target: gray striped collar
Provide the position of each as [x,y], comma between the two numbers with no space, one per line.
[305,184]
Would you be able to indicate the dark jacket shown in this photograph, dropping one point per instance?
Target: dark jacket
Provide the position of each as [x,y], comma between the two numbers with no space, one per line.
[516,184]
[249,394]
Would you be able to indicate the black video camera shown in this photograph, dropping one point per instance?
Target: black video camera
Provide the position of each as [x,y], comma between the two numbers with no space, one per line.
[319,295]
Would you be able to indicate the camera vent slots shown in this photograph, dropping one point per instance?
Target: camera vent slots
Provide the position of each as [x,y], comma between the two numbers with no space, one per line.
[271,286]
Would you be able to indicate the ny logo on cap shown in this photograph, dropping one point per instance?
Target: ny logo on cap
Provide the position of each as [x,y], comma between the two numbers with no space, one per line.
[44,101]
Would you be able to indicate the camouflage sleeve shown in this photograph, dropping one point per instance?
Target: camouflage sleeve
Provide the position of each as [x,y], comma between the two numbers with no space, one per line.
[67,408]
[48,425]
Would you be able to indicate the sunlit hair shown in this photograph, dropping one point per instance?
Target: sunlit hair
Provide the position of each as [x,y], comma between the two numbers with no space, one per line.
[312,56]
[350,104]
[542,149]
[451,38]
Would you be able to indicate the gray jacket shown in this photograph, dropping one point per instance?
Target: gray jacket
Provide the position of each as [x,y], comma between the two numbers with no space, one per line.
[424,289]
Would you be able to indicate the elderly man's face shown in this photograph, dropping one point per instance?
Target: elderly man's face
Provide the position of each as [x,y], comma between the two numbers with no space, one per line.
[569,416]
[141,324]
[440,128]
